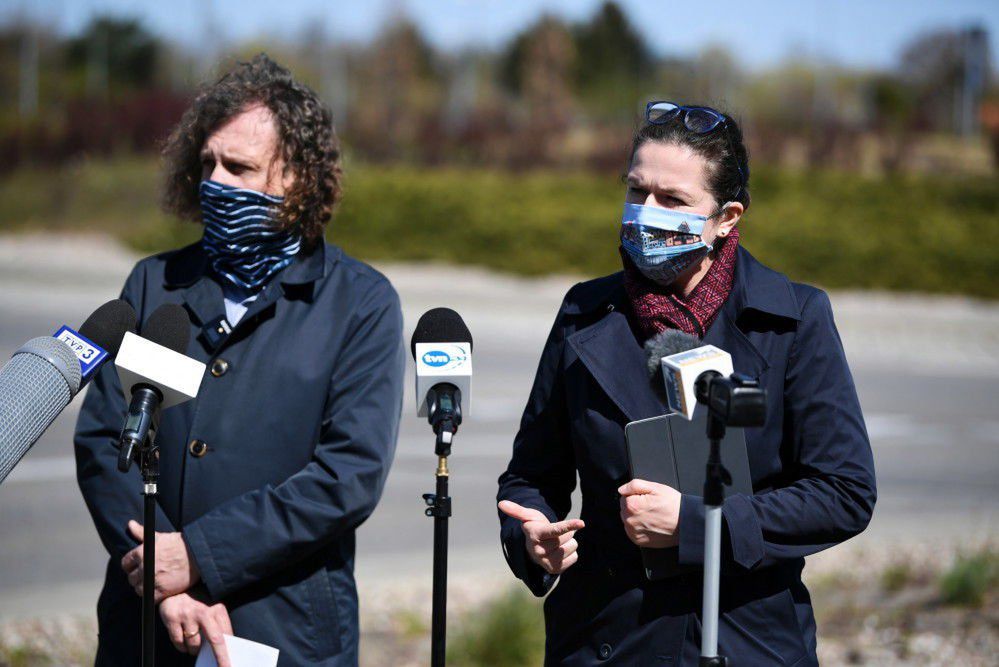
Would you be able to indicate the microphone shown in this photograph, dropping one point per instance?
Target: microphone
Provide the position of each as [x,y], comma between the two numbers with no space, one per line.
[694,373]
[45,373]
[678,359]
[99,337]
[682,360]
[155,374]
[666,343]
[442,348]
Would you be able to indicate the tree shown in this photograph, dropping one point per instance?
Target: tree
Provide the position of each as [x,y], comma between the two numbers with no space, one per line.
[938,66]
[114,53]
[613,65]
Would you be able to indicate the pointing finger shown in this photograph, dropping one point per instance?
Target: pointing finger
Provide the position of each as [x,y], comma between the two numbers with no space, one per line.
[511,508]
[558,529]
[553,542]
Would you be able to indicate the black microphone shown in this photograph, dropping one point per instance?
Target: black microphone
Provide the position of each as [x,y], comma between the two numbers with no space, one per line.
[106,327]
[442,348]
[148,369]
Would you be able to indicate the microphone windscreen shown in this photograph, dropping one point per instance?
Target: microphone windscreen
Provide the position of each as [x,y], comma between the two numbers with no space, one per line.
[666,343]
[440,325]
[107,325]
[170,327]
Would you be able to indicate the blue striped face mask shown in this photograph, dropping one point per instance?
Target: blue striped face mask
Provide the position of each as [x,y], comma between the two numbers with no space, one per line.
[240,238]
[662,243]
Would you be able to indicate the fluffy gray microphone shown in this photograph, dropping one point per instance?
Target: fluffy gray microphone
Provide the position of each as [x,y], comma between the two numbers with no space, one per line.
[42,377]
[663,344]
[35,385]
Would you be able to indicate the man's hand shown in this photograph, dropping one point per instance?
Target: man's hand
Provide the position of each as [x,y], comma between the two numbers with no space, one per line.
[188,620]
[550,545]
[175,569]
[650,513]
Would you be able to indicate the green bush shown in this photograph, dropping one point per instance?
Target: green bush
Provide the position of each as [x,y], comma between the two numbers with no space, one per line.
[896,576]
[836,230]
[507,632]
[970,578]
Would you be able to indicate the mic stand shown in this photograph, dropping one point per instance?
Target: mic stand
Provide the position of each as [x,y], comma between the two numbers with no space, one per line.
[439,507]
[137,441]
[444,414]
[714,495]
[737,400]
[149,462]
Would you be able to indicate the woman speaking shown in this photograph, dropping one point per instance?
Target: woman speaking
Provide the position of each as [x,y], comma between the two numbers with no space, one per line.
[811,464]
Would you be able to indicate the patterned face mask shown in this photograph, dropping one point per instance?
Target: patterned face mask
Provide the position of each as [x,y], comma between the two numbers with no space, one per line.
[240,238]
[662,243]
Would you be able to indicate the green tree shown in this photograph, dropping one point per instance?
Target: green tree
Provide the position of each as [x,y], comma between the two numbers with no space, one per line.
[613,65]
[113,53]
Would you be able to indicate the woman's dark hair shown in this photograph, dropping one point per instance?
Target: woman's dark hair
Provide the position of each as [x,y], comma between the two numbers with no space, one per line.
[306,139]
[722,148]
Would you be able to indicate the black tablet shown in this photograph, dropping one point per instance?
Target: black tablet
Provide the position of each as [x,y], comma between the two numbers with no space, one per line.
[673,450]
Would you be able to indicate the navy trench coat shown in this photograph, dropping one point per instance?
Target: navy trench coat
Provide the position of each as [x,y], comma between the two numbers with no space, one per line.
[271,469]
[811,467]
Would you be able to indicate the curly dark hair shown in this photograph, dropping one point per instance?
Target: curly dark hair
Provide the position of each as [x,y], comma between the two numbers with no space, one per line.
[306,139]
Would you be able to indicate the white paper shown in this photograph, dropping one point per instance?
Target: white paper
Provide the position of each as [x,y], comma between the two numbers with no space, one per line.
[242,653]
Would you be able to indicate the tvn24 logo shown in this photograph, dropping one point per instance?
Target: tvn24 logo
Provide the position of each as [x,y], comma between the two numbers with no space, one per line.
[445,357]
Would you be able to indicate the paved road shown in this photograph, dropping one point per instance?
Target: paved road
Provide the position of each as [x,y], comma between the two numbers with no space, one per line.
[927,371]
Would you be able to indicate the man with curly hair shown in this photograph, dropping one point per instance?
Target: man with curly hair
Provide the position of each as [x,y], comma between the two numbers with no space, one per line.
[265,477]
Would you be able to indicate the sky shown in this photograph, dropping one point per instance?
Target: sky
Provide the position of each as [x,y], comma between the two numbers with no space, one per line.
[851,33]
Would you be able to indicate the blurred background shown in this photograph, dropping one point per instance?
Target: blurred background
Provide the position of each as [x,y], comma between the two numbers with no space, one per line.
[484,146]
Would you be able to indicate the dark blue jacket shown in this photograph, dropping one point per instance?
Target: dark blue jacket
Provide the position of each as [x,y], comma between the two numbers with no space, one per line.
[271,469]
[811,466]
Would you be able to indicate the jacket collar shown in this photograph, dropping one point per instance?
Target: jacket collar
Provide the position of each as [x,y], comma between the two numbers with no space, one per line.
[189,270]
[755,287]
[190,264]
[618,362]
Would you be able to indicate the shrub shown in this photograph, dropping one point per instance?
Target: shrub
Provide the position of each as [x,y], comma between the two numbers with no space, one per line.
[970,578]
[836,230]
[507,632]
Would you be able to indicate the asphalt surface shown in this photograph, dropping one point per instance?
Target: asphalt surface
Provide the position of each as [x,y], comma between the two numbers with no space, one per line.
[926,369]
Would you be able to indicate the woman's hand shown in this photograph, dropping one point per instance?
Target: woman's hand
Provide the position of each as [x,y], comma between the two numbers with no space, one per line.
[550,545]
[188,619]
[175,569]
[650,513]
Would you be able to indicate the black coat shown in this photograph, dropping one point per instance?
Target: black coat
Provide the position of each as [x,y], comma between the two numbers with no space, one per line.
[270,470]
[811,466]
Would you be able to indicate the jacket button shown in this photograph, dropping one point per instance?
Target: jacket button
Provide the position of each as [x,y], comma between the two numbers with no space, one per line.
[605,651]
[219,367]
[198,448]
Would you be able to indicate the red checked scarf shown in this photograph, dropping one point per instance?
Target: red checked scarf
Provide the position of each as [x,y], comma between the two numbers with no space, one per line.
[655,309]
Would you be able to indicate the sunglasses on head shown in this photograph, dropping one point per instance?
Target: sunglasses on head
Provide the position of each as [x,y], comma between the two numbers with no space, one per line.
[699,120]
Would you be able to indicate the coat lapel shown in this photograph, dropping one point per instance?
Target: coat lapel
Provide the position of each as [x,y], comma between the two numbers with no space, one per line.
[617,362]
[724,334]
[188,269]
[609,351]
